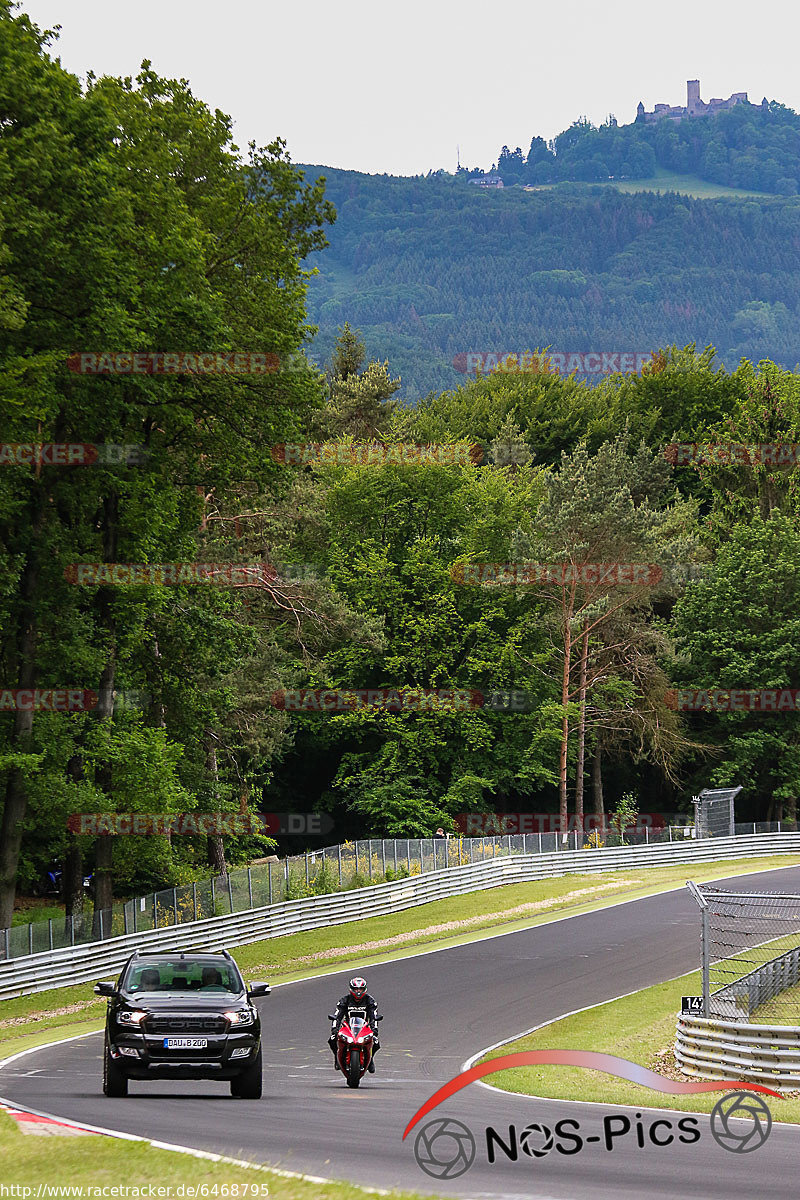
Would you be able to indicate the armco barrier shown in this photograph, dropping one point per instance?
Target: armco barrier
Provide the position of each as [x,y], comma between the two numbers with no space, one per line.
[712,1049]
[79,964]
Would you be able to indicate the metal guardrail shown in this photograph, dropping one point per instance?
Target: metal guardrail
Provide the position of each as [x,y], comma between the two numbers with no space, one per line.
[80,964]
[712,1049]
[325,870]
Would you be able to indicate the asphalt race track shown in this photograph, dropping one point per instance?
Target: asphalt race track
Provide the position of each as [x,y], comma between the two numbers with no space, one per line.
[441,1008]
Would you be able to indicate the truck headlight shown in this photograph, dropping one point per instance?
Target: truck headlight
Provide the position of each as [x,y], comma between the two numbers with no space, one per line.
[240,1016]
[132,1016]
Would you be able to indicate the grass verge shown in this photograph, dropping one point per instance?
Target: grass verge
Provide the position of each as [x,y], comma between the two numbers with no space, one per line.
[640,1028]
[96,1161]
[64,1012]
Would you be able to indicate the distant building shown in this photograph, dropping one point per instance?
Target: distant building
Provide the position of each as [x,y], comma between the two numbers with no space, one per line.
[694,107]
[488,181]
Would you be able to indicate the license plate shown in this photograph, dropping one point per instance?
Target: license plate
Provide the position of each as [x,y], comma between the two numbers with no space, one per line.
[178,1043]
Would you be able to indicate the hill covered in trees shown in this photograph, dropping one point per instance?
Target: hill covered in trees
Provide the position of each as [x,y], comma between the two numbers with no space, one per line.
[749,146]
[432,268]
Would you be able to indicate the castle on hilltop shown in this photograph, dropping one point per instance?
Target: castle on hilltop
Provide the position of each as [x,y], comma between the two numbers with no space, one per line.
[694,107]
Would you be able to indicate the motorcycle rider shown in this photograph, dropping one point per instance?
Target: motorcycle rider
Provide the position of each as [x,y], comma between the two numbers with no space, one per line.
[357,997]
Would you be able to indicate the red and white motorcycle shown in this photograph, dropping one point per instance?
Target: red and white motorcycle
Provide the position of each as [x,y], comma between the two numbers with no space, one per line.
[354,1045]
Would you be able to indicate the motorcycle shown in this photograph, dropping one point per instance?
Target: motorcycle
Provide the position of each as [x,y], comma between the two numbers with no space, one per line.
[354,1045]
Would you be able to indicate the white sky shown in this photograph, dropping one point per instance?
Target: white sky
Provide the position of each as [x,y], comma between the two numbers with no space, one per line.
[380,88]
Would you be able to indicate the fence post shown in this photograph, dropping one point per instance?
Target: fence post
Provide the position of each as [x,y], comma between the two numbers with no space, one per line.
[194,899]
[369,853]
[306,870]
[435,864]
[646,837]
[383,852]
[705,948]
[395,856]
[213,898]
[669,829]
[30,934]
[540,841]
[408,852]
[471,850]
[50,931]
[175,903]
[356,846]
[421,859]
[339,848]
[71,933]
[250,885]
[269,877]
[8,947]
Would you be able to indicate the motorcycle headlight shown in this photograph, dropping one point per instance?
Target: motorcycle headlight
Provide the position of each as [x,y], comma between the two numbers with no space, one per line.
[131,1016]
[240,1016]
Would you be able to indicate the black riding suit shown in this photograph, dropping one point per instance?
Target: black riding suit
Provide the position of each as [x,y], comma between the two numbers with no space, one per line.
[343,1008]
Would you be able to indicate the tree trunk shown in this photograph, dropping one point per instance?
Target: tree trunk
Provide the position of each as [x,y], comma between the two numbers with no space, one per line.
[103,886]
[104,845]
[73,887]
[215,847]
[597,785]
[581,729]
[563,811]
[16,797]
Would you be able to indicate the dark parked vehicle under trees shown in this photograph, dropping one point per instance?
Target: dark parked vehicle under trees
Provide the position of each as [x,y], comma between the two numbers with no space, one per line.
[182,1016]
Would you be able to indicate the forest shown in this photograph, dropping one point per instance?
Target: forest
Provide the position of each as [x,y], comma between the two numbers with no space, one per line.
[430,269]
[349,571]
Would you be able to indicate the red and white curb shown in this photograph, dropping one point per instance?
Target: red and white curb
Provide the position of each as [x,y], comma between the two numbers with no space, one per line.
[44,1126]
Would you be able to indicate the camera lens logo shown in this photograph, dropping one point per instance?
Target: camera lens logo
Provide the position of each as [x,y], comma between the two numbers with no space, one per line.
[444,1149]
[536,1140]
[736,1107]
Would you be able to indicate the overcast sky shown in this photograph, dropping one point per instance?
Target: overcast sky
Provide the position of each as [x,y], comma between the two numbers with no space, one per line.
[380,88]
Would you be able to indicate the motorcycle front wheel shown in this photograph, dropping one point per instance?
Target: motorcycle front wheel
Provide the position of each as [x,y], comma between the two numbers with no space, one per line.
[354,1071]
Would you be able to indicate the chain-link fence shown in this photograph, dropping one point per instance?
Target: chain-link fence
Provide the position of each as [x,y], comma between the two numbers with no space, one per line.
[331,869]
[750,951]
